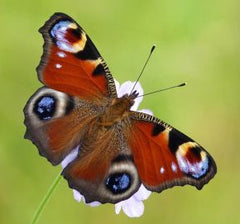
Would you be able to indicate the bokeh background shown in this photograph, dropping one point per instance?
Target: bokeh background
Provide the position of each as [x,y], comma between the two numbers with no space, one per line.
[197,41]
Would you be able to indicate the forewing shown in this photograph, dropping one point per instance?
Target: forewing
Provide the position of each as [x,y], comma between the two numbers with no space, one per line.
[165,157]
[71,63]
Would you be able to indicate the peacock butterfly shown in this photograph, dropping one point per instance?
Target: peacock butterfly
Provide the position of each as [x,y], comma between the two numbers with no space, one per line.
[119,148]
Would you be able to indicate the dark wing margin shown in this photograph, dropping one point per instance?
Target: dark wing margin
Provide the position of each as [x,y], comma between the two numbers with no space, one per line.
[165,157]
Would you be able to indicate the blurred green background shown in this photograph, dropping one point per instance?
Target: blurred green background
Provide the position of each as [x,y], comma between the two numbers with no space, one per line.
[197,42]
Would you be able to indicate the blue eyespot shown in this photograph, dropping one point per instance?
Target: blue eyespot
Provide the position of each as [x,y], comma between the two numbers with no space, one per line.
[45,107]
[118,183]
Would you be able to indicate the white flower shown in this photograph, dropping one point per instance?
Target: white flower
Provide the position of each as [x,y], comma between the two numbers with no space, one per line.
[133,206]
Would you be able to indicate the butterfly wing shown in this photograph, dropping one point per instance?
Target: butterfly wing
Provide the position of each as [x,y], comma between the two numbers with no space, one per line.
[138,149]
[104,170]
[112,161]
[165,157]
[80,86]
[56,122]
[71,63]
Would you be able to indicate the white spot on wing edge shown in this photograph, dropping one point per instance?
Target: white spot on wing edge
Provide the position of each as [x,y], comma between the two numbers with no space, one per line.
[61,54]
[162,170]
[58,65]
[174,167]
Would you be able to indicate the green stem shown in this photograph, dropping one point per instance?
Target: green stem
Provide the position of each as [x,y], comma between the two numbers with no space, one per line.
[46,198]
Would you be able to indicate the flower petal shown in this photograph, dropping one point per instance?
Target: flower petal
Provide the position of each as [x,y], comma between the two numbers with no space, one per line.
[142,194]
[77,196]
[138,100]
[94,203]
[118,207]
[70,157]
[117,85]
[133,206]
[134,209]
[126,88]
[146,111]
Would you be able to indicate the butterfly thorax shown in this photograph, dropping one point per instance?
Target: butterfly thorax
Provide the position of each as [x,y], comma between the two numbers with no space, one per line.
[118,109]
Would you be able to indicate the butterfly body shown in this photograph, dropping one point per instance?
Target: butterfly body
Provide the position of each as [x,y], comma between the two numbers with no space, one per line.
[118,148]
[118,110]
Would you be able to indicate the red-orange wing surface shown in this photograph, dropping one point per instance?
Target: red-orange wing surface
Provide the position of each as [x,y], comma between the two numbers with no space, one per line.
[165,157]
[71,63]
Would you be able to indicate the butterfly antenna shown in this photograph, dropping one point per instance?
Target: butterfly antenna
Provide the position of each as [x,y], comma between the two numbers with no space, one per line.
[160,90]
[149,56]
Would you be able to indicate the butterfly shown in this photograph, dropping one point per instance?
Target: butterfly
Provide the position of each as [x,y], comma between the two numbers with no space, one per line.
[119,149]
